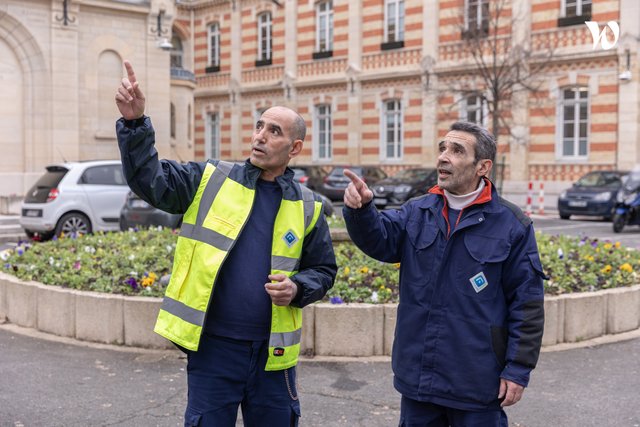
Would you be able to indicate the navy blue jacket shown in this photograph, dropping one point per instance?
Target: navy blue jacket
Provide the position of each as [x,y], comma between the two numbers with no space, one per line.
[171,186]
[471,300]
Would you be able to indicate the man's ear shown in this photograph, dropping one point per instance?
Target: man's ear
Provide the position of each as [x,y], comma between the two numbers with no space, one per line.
[484,167]
[296,148]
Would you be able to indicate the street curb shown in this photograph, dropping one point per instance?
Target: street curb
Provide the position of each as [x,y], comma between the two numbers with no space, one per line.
[345,330]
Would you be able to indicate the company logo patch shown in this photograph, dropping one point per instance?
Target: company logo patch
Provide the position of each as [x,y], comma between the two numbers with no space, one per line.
[278,351]
[290,238]
[479,282]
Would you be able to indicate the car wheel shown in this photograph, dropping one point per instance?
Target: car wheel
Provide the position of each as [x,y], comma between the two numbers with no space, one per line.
[73,222]
[564,216]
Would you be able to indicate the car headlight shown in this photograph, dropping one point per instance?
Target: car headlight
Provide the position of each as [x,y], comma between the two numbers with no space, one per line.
[563,195]
[402,189]
[630,198]
[603,197]
[621,196]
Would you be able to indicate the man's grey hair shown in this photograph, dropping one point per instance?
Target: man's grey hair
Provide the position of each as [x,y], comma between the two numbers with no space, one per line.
[298,128]
[486,146]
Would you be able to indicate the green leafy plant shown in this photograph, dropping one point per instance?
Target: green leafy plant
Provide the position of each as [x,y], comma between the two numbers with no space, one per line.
[139,263]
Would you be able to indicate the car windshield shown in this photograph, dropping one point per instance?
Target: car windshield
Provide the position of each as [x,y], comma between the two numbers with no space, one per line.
[599,179]
[339,170]
[413,174]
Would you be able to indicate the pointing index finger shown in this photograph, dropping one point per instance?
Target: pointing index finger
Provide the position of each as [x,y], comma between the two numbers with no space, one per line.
[130,73]
[354,178]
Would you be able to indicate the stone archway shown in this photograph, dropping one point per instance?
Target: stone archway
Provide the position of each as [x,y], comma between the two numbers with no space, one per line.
[25,99]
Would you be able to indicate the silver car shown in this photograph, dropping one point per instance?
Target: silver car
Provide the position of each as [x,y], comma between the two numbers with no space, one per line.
[75,197]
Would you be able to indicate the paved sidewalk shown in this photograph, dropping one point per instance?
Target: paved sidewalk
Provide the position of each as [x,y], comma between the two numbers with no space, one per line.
[53,382]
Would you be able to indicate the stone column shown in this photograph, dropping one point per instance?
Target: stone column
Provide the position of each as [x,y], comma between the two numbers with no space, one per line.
[235,97]
[354,92]
[430,11]
[65,114]
[520,132]
[629,87]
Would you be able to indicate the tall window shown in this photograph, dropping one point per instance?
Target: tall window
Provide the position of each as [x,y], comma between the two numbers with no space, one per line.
[576,8]
[476,16]
[322,134]
[176,52]
[473,110]
[392,123]
[264,39]
[324,26]
[189,121]
[575,120]
[212,147]
[394,21]
[172,120]
[214,45]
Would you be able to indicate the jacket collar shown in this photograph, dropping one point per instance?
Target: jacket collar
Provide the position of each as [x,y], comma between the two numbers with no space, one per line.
[252,173]
[488,199]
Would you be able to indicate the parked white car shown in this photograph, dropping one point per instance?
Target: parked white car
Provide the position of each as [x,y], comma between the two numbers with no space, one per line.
[80,197]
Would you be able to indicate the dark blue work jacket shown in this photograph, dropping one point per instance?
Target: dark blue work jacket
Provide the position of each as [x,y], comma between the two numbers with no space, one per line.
[471,295]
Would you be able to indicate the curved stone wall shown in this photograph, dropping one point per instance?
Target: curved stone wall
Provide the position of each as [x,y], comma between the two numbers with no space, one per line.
[328,330]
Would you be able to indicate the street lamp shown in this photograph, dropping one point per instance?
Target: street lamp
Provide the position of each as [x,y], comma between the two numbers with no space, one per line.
[164,44]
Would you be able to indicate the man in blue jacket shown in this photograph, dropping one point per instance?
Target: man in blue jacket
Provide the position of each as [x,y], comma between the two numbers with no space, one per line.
[254,248]
[471,314]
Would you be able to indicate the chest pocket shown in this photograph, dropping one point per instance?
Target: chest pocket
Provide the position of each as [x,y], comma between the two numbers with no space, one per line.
[480,266]
[419,254]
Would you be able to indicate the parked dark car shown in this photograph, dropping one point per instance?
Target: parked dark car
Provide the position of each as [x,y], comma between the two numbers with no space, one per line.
[310,175]
[594,194]
[138,213]
[335,183]
[405,184]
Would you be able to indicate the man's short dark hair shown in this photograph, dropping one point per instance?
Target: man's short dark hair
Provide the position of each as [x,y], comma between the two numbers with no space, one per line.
[485,141]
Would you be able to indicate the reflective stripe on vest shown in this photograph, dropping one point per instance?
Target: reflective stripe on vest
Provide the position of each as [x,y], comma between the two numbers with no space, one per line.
[210,228]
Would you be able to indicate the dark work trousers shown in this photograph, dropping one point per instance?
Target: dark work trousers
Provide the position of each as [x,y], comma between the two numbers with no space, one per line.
[424,414]
[225,373]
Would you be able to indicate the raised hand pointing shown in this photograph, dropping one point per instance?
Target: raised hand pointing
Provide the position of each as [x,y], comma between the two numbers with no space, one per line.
[357,193]
[129,99]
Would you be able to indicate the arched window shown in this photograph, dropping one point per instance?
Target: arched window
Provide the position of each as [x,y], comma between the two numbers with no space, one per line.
[176,52]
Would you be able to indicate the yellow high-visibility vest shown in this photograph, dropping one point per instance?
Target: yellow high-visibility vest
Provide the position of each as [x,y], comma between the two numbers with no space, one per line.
[210,228]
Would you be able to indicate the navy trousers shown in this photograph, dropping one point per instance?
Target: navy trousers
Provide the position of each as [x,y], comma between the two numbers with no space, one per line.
[424,414]
[225,373]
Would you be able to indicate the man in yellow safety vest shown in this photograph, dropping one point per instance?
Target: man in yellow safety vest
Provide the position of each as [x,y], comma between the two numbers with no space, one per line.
[254,248]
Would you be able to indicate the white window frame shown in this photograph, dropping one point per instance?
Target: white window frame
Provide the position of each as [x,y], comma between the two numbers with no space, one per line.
[322,113]
[576,102]
[212,136]
[398,20]
[482,107]
[214,44]
[324,26]
[265,24]
[397,129]
[478,12]
[579,7]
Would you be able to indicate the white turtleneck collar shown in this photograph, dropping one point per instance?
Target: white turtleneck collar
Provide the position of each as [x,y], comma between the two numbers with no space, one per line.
[460,202]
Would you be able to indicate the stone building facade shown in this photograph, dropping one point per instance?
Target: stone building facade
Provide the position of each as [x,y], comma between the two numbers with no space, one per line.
[378,81]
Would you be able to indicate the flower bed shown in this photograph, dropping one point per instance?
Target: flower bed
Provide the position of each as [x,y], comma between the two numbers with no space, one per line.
[139,263]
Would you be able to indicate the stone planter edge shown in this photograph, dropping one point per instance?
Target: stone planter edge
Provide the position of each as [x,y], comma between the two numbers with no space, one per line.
[328,329]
